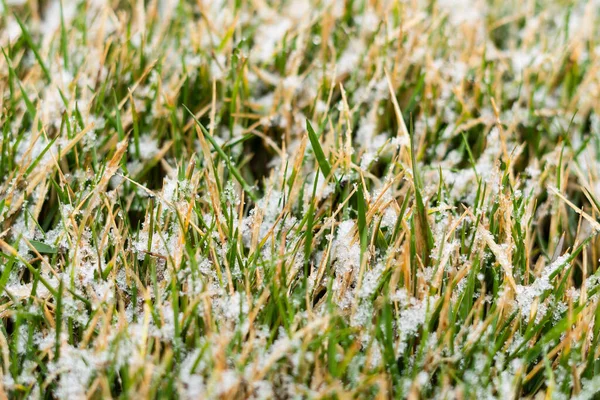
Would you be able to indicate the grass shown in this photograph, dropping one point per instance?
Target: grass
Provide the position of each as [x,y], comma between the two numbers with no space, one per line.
[310,199]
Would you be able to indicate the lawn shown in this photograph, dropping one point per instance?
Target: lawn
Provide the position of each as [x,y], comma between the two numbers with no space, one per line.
[320,199]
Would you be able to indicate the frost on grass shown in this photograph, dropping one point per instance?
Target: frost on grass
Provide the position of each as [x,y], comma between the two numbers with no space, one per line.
[526,295]
[414,252]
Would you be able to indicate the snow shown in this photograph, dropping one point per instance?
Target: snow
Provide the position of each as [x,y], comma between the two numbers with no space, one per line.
[527,295]
[148,147]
